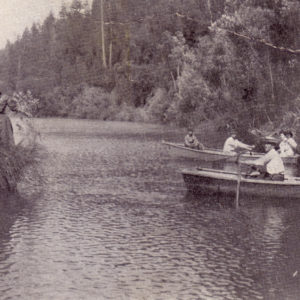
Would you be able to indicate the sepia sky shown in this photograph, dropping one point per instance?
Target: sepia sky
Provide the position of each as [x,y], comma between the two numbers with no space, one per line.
[15,15]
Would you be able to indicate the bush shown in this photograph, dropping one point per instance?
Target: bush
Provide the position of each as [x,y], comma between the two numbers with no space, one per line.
[93,103]
[25,103]
[58,102]
[157,105]
[125,113]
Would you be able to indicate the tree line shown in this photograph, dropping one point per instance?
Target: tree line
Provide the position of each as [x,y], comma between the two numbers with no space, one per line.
[173,61]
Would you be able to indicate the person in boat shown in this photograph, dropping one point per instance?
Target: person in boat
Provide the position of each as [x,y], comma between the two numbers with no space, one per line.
[287,145]
[191,141]
[232,144]
[270,166]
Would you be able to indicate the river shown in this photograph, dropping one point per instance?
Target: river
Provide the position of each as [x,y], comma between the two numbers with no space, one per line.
[108,217]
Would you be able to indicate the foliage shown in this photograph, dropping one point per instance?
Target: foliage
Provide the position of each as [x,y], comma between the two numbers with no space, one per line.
[58,102]
[18,159]
[14,165]
[25,103]
[157,105]
[92,103]
[185,62]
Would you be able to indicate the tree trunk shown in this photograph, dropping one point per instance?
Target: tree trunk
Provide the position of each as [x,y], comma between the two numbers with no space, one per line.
[174,82]
[103,35]
[18,73]
[209,9]
[271,78]
[110,54]
[272,82]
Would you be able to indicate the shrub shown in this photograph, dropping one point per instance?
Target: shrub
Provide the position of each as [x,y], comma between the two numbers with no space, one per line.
[25,103]
[157,105]
[58,102]
[93,103]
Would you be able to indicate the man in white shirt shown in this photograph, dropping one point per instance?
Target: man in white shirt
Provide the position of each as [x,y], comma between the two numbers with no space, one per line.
[270,166]
[287,145]
[232,144]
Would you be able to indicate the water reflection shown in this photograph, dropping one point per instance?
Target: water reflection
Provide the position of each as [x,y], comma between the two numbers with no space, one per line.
[111,219]
[10,207]
[261,255]
[11,210]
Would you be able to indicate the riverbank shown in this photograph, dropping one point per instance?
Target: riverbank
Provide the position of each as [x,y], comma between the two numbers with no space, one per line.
[22,154]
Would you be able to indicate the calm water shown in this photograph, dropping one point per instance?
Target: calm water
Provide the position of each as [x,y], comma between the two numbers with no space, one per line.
[108,217]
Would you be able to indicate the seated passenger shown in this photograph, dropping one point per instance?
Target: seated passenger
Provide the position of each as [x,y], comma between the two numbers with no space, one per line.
[232,144]
[191,141]
[287,145]
[270,166]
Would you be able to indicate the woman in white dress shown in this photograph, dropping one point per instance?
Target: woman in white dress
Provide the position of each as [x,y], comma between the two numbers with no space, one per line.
[288,145]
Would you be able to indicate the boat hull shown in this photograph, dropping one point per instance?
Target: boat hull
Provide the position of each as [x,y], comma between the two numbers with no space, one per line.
[216,181]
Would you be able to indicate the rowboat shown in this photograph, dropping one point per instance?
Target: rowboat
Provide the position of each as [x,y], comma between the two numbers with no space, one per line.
[211,154]
[211,181]
[218,159]
[208,154]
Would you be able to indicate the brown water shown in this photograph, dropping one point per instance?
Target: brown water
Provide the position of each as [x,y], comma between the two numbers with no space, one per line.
[108,217]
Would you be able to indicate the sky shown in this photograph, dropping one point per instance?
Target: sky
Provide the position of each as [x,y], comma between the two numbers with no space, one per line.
[16,15]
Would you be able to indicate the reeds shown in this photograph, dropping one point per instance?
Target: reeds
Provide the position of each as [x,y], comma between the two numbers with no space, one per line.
[13,163]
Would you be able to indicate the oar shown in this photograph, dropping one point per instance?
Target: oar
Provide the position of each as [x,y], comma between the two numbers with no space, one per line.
[239,175]
[233,158]
[219,171]
[238,187]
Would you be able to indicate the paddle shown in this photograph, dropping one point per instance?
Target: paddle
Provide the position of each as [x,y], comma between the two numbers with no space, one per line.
[233,156]
[239,175]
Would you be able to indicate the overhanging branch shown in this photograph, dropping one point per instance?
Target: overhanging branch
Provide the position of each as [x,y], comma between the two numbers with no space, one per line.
[262,41]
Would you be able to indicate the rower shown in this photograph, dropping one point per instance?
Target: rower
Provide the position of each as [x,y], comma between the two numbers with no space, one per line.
[270,166]
[191,141]
[232,144]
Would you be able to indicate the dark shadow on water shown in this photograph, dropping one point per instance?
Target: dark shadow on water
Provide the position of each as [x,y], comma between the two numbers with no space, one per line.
[11,206]
[216,200]
[11,202]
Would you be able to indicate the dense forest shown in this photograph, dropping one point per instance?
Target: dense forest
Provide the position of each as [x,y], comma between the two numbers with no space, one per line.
[173,61]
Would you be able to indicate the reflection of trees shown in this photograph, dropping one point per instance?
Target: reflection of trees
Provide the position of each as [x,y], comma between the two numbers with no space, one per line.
[275,249]
[10,208]
[253,251]
[286,264]
[273,230]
